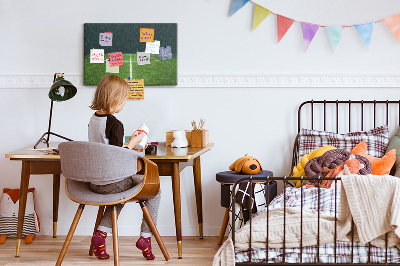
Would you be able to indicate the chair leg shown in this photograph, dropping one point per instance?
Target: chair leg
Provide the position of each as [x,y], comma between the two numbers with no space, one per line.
[70,234]
[115,234]
[98,220]
[223,227]
[154,230]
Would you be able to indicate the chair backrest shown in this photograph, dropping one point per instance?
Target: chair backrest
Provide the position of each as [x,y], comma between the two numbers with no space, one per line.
[93,162]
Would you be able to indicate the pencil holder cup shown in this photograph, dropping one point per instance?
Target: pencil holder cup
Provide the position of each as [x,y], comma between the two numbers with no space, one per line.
[199,138]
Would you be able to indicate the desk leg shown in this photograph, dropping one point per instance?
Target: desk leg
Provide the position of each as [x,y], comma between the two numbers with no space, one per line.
[176,190]
[197,187]
[56,199]
[25,175]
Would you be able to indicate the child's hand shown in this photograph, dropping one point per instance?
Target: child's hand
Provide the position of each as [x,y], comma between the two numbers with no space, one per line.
[135,139]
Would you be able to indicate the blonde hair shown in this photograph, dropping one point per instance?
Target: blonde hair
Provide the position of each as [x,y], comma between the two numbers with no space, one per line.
[109,93]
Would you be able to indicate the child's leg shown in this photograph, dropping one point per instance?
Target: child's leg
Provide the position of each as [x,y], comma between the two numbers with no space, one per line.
[144,242]
[99,239]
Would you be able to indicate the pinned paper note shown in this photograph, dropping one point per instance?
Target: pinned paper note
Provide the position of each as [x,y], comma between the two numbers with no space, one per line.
[96,55]
[116,59]
[143,58]
[105,39]
[114,70]
[153,47]
[146,35]
[165,53]
[137,89]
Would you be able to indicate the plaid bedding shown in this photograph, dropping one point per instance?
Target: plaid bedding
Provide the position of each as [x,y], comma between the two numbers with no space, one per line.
[377,140]
[326,252]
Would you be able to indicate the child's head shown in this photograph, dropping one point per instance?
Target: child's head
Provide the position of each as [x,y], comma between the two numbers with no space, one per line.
[110,94]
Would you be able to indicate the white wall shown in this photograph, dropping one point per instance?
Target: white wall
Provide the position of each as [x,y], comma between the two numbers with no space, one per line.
[257,120]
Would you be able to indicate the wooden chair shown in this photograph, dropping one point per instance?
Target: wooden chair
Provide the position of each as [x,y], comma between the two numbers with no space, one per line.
[83,162]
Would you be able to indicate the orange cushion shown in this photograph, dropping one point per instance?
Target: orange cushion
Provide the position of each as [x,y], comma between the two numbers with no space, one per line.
[380,166]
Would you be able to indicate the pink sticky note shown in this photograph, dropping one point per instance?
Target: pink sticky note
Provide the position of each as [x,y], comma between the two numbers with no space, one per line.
[116,59]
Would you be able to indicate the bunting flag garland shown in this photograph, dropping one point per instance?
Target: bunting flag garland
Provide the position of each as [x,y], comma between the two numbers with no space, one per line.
[365,32]
[335,34]
[283,25]
[393,24]
[236,5]
[309,30]
[260,13]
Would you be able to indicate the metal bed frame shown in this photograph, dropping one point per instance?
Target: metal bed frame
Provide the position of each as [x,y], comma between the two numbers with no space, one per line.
[338,106]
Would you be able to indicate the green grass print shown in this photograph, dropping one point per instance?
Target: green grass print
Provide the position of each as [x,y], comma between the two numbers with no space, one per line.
[162,72]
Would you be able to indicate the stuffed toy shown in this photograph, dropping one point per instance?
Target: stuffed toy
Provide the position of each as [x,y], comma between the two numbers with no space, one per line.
[298,170]
[380,166]
[246,165]
[9,205]
[180,140]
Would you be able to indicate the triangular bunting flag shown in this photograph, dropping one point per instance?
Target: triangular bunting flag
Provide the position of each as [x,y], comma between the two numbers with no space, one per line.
[393,23]
[283,24]
[260,13]
[236,5]
[309,31]
[365,32]
[335,34]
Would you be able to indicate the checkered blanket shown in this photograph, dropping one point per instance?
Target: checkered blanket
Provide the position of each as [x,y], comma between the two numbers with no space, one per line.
[292,198]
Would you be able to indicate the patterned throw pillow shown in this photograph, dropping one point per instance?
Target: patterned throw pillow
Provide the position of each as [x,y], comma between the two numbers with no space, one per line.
[377,140]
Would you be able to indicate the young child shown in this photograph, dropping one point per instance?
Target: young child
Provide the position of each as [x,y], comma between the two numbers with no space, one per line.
[110,98]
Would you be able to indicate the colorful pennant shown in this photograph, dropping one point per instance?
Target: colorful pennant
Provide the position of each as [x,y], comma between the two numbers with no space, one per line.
[260,13]
[365,32]
[283,25]
[393,23]
[309,31]
[236,5]
[335,35]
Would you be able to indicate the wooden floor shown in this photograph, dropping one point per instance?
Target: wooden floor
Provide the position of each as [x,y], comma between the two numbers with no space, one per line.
[44,250]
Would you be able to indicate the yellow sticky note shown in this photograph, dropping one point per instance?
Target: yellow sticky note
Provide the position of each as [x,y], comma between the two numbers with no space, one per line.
[137,89]
[146,35]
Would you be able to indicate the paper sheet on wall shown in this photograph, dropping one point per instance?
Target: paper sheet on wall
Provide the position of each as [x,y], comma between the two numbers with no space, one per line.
[137,89]
[116,59]
[146,35]
[97,56]
[105,39]
[114,70]
[165,53]
[153,47]
[143,58]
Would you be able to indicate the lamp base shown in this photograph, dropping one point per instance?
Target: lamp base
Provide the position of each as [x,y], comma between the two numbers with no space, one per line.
[45,139]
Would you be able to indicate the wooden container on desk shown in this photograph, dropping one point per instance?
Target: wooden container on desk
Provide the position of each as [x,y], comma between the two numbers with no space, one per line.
[170,138]
[200,138]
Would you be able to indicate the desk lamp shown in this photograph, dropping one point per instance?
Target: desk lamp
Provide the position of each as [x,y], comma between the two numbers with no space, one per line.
[61,90]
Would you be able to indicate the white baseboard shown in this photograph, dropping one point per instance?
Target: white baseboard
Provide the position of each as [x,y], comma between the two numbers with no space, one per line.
[129,231]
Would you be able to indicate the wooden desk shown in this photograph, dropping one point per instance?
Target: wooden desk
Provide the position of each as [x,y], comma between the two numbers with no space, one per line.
[170,162]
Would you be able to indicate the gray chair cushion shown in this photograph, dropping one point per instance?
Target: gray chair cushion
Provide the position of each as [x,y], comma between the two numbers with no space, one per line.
[96,162]
[80,192]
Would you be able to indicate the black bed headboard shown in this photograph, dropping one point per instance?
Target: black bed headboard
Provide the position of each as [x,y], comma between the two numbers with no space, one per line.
[346,116]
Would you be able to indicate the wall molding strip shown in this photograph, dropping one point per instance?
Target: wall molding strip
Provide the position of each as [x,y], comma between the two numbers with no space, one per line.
[186,81]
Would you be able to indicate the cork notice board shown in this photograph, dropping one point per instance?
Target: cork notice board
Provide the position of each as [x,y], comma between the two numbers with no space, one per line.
[146,51]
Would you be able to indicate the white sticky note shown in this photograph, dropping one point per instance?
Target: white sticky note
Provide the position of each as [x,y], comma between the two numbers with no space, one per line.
[105,39]
[143,58]
[114,69]
[97,56]
[152,47]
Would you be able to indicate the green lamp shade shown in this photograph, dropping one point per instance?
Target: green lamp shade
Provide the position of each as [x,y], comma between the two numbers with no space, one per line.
[62,90]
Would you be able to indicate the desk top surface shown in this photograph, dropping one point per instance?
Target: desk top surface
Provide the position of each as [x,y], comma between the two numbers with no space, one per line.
[163,153]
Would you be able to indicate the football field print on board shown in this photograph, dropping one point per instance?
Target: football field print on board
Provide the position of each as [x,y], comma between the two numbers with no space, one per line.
[146,51]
